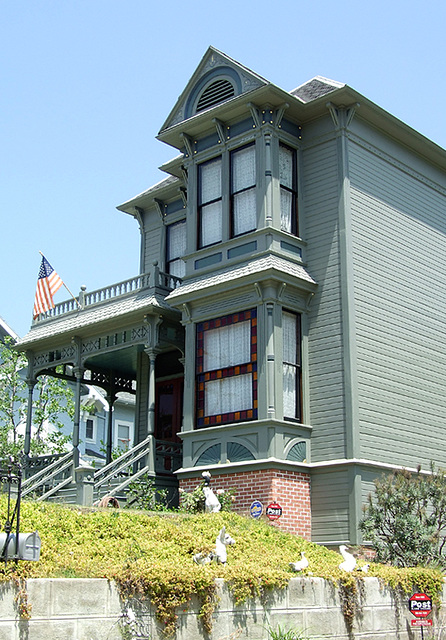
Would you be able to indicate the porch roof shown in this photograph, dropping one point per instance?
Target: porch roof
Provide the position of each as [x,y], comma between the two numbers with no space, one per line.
[95,317]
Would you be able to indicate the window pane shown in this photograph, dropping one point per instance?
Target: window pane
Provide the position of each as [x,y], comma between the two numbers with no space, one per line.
[244,212]
[177,268]
[176,240]
[89,429]
[211,227]
[286,167]
[228,395]
[243,169]
[210,181]
[289,335]
[286,208]
[227,346]
[289,391]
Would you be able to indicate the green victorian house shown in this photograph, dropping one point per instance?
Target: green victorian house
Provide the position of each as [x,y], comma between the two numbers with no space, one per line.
[286,330]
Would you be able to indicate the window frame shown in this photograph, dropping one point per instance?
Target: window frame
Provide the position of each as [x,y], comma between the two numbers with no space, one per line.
[201,204]
[233,193]
[177,258]
[203,376]
[117,440]
[297,365]
[93,421]
[293,190]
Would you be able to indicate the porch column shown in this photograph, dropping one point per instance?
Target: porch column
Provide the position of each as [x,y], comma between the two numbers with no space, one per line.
[151,353]
[111,401]
[151,458]
[78,373]
[31,382]
[111,398]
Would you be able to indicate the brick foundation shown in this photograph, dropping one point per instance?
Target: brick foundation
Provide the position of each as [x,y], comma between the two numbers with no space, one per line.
[291,489]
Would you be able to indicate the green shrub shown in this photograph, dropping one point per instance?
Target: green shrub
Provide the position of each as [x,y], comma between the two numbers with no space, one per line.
[406,517]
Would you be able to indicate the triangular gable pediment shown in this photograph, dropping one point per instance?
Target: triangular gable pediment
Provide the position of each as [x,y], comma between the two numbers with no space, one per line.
[216,80]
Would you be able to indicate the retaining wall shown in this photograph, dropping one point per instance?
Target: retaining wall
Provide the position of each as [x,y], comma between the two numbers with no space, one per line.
[79,609]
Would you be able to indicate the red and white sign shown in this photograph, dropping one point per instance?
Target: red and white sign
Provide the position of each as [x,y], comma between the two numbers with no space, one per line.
[421,623]
[273,511]
[420,605]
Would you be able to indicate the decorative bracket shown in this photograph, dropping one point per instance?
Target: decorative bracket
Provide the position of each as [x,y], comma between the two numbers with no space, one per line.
[188,144]
[280,113]
[255,114]
[342,116]
[220,130]
[160,208]
[183,194]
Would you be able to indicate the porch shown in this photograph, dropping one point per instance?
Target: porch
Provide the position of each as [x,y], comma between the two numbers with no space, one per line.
[121,338]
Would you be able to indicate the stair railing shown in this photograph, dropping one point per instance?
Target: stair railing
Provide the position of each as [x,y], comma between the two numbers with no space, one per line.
[122,466]
[55,476]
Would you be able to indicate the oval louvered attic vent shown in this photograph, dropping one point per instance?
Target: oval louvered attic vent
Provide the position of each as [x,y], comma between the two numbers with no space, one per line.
[218,91]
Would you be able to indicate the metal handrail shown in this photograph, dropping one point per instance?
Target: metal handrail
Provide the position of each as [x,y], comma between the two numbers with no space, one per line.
[42,477]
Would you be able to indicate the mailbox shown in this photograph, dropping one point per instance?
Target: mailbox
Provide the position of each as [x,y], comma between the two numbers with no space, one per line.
[29,546]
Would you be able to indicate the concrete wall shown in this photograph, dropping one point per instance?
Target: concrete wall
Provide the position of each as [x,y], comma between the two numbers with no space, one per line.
[80,609]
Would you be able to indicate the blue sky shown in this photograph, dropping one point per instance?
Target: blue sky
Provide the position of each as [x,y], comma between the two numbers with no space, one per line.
[87,84]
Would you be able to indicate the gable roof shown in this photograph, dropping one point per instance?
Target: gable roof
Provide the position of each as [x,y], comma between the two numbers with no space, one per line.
[213,65]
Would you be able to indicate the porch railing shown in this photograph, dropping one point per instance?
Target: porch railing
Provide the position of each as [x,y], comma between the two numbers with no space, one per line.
[118,474]
[51,479]
[153,278]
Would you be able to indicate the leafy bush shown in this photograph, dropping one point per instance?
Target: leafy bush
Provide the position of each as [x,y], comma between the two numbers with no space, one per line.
[143,494]
[406,517]
[193,501]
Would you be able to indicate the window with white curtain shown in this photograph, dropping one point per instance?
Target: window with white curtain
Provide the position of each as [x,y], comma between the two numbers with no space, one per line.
[219,191]
[227,369]
[243,190]
[210,202]
[291,339]
[176,248]
[288,189]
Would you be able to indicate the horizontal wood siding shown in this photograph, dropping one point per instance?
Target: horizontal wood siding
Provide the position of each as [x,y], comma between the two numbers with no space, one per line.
[154,243]
[320,203]
[399,251]
[329,506]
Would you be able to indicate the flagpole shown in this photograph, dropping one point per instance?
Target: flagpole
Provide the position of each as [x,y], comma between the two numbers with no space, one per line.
[71,294]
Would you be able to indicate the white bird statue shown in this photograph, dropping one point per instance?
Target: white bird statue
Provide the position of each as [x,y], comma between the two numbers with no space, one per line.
[364,568]
[349,560]
[211,502]
[301,564]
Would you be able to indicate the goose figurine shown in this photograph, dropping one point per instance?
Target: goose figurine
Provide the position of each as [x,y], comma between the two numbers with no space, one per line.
[349,560]
[301,564]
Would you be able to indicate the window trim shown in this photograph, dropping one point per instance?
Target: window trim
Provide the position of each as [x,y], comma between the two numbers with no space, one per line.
[203,376]
[293,191]
[298,416]
[201,205]
[177,258]
[93,439]
[233,193]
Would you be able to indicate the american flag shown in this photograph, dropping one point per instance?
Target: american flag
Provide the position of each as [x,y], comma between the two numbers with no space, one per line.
[48,282]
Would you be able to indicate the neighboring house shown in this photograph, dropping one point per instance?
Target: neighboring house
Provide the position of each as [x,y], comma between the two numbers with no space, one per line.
[287,328]
[6,331]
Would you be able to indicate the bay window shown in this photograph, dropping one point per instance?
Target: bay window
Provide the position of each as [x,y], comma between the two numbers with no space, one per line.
[292,378]
[176,248]
[288,189]
[227,369]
